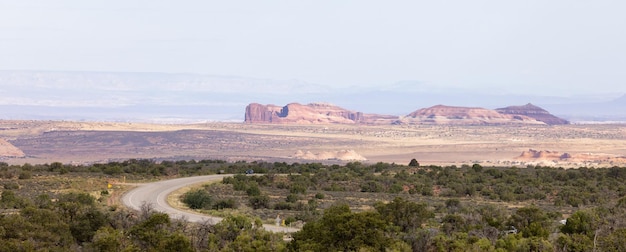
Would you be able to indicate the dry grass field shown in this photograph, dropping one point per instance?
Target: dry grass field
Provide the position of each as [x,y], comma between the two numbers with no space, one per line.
[88,142]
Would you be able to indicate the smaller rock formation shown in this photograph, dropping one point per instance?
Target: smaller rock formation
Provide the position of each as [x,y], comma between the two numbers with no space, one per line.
[565,156]
[557,157]
[533,111]
[343,155]
[441,114]
[9,150]
[535,154]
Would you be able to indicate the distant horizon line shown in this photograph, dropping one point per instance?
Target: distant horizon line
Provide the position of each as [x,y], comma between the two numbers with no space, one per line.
[348,86]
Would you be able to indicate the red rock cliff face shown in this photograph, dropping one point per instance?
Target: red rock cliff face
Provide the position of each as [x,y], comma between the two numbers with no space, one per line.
[322,113]
[257,113]
[534,112]
[314,113]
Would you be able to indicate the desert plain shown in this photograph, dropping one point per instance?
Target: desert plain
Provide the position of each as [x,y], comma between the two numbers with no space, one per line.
[584,145]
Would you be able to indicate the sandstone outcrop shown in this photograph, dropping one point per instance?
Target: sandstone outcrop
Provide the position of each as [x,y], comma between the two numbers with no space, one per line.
[581,158]
[533,111]
[441,114]
[314,113]
[535,154]
[9,150]
[343,155]
[323,113]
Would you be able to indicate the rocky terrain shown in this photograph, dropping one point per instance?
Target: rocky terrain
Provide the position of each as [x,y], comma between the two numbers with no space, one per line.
[323,113]
[38,142]
[533,111]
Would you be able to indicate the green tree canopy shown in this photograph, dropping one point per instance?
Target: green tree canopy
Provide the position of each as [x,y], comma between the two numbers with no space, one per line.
[340,229]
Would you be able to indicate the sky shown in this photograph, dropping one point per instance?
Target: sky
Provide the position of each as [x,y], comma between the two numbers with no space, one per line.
[558,47]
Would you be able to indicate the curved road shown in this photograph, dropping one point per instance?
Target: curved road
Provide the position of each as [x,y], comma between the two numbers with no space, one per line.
[156,194]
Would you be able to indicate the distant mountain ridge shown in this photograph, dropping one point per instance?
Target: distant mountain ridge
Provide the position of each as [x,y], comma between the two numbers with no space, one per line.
[186,97]
[621,100]
[131,82]
[322,113]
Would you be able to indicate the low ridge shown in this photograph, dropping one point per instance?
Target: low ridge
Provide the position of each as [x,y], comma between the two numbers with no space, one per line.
[533,111]
[441,114]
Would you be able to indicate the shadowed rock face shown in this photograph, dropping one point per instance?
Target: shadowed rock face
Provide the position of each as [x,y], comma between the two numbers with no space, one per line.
[314,113]
[534,112]
[257,113]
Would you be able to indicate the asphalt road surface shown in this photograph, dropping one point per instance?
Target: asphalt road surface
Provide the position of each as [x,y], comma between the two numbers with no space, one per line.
[155,194]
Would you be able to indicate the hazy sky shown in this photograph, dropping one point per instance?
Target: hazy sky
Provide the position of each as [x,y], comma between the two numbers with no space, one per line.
[541,47]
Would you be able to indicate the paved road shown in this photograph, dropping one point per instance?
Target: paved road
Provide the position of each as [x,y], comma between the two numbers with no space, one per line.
[156,194]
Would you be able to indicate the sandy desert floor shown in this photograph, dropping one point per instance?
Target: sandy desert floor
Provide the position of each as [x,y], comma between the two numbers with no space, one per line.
[88,142]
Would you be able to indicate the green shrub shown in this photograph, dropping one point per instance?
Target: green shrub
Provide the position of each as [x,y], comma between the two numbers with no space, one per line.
[290,220]
[297,188]
[9,200]
[253,190]
[198,199]
[225,203]
[25,175]
[292,198]
[11,186]
[283,206]
[261,201]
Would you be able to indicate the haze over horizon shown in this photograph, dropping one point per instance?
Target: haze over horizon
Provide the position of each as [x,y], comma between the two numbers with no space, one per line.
[555,48]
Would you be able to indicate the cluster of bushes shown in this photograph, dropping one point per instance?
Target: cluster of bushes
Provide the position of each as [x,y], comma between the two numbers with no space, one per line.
[414,226]
[402,225]
[200,199]
[257,199]
[76,222]
[73,221]
[250,184]
[595,197]
[560,187]
[135,167]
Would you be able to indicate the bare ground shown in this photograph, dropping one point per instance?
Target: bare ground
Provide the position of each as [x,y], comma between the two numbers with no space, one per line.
[87,142]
